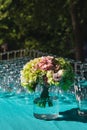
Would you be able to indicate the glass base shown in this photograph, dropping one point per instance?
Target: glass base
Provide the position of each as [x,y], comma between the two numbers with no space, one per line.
[46,109]
[82,112]
[46,116]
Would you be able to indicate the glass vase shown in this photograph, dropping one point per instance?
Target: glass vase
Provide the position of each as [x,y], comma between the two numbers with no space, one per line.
[46,102]
[81,96]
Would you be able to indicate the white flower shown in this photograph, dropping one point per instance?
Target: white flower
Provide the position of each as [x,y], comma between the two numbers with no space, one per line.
[60,73]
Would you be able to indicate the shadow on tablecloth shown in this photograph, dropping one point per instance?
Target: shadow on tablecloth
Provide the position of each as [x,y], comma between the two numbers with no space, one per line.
[71,115]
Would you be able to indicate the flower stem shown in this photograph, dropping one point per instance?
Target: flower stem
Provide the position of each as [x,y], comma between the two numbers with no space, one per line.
[45,93]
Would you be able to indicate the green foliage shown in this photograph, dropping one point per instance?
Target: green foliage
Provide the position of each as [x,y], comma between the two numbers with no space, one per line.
[41,24]
[68,77]
[4,4]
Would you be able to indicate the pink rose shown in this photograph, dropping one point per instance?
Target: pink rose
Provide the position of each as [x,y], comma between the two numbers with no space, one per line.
[46,63]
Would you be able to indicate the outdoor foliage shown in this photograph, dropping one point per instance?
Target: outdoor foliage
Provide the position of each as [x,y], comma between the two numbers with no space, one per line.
[41,24]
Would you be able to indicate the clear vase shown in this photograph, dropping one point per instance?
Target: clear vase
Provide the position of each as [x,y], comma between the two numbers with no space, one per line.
[81,96]
[46,103]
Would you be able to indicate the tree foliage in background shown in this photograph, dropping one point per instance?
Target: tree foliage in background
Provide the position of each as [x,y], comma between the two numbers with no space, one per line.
[44,25]
[4,13]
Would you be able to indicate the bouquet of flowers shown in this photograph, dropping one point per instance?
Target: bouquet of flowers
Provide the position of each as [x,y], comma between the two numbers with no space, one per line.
[49,71]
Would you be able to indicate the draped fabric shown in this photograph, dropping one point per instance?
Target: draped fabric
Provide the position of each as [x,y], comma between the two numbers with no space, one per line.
[16,113]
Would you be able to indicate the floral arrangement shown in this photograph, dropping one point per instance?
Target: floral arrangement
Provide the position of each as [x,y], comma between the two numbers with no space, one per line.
[47,70]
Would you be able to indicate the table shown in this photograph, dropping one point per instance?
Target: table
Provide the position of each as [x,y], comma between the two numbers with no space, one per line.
[16,113]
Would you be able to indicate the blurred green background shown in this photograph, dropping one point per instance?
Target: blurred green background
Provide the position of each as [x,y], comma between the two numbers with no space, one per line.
[54,26]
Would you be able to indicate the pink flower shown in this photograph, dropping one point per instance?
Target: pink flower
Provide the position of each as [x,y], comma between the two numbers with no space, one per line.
[46,63]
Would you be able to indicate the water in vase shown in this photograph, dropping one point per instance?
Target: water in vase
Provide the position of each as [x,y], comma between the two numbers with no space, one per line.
[46,109]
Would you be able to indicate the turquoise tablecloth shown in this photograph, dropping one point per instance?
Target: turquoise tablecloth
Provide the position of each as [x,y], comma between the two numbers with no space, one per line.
[16,113]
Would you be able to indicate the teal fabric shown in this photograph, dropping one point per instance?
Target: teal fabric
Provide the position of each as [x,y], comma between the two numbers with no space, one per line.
[16,113]
[83,83]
